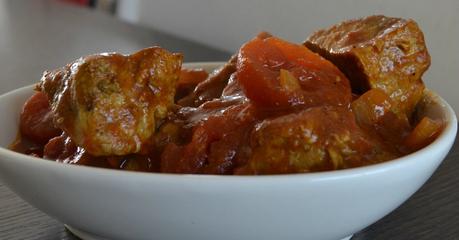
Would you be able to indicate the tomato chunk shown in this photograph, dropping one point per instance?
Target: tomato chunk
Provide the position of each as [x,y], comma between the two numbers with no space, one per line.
[36,122]
[276,73]
[188,80]
[217,143]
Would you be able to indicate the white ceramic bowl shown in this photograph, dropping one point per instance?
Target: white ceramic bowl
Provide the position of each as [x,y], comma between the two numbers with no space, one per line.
[130,205]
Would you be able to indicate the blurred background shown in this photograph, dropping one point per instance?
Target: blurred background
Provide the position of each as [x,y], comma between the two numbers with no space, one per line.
[223,25]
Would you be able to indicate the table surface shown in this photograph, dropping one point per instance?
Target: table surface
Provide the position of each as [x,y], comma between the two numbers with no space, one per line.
[38,35]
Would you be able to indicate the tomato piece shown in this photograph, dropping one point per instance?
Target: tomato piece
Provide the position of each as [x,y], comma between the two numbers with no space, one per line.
[271,69]
[217,143]
[59,148]
[192,76]
[36,121]
[188,80]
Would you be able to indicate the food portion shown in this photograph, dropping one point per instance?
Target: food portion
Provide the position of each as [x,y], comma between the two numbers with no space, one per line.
[111,104]
[217,143]
[314,139]
[276,74]
[36,120]
[378,52]
[212,87]
[346,98]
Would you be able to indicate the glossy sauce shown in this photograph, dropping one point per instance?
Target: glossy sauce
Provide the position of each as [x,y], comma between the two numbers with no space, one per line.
[276,108]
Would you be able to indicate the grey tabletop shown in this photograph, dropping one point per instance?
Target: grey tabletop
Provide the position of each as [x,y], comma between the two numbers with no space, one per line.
[39,35]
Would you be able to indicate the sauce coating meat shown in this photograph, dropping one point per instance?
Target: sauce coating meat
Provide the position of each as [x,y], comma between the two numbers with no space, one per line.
[378,52]
[111,104]
[327,136]
[274,108]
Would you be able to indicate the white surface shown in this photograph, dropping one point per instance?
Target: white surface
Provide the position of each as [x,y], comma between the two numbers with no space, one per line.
[131,205]
[227,24]
[88,236]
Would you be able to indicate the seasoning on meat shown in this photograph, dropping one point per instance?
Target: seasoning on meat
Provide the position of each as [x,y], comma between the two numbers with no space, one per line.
[111,104]
[315,139]
[378,52]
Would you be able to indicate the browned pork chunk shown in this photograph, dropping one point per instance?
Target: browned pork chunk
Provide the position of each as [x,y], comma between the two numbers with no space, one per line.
[378,52]
[111,104]
[315,139]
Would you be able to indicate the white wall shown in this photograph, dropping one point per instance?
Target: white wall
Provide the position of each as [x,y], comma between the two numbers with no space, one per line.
[227,24]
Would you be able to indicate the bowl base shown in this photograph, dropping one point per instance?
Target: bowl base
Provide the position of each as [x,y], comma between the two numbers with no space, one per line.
[83,235]
[348,237]
[89,236]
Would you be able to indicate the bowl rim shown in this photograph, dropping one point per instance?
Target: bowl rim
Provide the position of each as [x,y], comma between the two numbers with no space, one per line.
[448,133]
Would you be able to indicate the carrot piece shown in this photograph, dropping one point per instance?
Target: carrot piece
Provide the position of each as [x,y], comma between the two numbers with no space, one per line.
[288,81]
[425,132]
[268,68]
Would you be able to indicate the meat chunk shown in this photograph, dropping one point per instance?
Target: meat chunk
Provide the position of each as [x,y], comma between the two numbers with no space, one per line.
[111,104]
[378,52]
[315,139]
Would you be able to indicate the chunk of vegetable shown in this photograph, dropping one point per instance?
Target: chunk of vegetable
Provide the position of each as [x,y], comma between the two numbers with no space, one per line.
[277,74]
[425,132]
[188,80]
[36,120]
